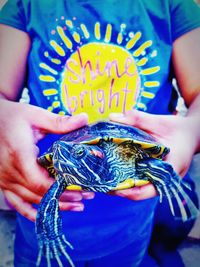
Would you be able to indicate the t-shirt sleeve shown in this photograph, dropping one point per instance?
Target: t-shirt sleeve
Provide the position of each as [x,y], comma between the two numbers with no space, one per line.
[185,16]
[12,14]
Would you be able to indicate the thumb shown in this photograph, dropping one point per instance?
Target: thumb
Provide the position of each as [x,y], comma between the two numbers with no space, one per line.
[139,119]
[54,123]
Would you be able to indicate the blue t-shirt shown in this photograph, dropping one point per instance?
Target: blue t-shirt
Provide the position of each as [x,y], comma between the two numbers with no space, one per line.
[99,57]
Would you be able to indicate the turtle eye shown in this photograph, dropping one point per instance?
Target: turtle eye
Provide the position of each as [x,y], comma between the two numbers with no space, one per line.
[78,151]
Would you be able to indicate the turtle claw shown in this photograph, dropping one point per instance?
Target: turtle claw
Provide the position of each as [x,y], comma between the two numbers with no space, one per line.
[187,208]
[52,243]
[168,184]
[48,255]
[53,249]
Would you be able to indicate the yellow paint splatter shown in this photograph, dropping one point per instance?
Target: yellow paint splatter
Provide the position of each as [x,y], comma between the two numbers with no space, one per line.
[85,31]
[150,71]
[50,109]
[142,48]
[47,78]
[141,105]
[69,23]
[148,95]
[120,38]
[108,33]
[133,41]
[56,61]
[46,67]
[61,113]
[60,51]
[142,62]
[63,36]
[50,91]
[97,31]
[56,104]
[76,37]
[151,84]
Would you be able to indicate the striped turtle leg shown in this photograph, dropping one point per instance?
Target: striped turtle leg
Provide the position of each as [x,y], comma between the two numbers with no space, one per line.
[167,183]
[51,241]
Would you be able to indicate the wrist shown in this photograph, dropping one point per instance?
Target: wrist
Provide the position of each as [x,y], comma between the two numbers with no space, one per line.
[193,128]
[2,96]
[194,122]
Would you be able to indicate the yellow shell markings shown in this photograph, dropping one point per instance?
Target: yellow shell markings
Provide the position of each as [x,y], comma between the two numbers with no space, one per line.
[48,157]
[131,182]
[74,187]
[98,138]
[144,145]
[46,161]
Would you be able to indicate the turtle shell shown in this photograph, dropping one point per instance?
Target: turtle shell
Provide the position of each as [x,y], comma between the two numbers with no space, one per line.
[117,133]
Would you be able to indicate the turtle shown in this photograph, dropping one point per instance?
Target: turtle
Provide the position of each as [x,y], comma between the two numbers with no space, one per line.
[102,157]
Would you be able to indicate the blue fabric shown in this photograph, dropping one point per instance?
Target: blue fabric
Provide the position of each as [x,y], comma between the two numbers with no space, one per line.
[155,24]
[97,233]
[100,56]
[130,256]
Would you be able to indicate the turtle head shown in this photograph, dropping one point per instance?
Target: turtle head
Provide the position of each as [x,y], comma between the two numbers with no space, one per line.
[82,164]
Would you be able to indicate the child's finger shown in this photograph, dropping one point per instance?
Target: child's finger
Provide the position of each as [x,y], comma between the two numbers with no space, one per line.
[137,193]
[23,207]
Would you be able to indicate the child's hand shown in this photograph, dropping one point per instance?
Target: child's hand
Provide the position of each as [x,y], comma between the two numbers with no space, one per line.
[22,180]
[176,132]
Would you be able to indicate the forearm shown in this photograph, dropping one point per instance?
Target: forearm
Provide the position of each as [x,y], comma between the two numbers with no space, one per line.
[186,58]
[194,121]
[2,96]
[14,50]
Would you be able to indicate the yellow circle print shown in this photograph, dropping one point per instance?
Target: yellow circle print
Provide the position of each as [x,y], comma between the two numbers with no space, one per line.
[98,79]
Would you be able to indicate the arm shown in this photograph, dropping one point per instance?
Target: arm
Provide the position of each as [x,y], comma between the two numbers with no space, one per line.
[14,49]
[174,131]
[22,180]
[186,61]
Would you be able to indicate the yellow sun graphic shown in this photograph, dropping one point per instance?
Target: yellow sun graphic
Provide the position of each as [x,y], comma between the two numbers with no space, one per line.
[98,75]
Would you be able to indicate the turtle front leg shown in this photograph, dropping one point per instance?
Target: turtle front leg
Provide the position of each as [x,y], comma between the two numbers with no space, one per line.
[168,183]
[51,241]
